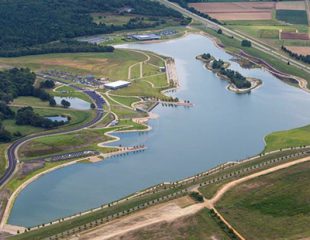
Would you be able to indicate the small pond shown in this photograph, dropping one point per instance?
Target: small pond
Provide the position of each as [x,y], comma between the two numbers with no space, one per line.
[76,103]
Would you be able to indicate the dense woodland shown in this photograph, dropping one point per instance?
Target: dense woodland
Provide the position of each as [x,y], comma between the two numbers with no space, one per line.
[303,58]
[27,25]
[62,46]
[19,82]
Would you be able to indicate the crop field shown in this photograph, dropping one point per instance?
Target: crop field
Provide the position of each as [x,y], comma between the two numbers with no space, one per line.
[292,16]
[291,5]
[237,10]
[274,206]
[294,36]
[300,50]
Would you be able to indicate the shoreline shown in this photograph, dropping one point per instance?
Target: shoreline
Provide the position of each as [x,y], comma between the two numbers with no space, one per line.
[144,120]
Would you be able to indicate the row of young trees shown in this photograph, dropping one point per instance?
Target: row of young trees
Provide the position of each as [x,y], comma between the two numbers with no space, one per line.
[303,58]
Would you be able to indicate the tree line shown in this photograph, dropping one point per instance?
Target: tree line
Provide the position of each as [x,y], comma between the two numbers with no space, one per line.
[303,58]
[62,46]
[33,23]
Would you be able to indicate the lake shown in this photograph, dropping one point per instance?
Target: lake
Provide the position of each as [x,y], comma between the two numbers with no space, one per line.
[222,126]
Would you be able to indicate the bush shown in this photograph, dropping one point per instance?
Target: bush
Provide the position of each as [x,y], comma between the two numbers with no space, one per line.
[196,196]
[246,43]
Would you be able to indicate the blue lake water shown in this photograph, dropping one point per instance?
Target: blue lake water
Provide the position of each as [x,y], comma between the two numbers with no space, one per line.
[76,103]
[222,126]
[58,118]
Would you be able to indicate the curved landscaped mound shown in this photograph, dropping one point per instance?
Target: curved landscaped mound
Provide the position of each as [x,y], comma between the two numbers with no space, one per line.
[237,82]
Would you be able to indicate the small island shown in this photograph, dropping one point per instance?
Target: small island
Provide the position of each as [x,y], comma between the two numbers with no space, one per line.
[237,82]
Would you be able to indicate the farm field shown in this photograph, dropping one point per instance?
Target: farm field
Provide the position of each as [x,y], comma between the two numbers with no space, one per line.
[236,10]
[300,50]
[292,16]
[274,206]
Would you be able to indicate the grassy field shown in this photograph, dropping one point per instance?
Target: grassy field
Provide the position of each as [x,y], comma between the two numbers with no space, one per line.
[275,206]
[290,138]
[66,91]
[158,81]
[125,100]
[77,117]
[3,147]
[86,139]
[292,16]
[112,65]
[140,88]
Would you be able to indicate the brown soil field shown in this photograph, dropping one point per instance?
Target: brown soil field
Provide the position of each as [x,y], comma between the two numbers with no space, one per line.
[242,16]
[237,10]
[294,36]
[233,7]
[291,5]
[299,50]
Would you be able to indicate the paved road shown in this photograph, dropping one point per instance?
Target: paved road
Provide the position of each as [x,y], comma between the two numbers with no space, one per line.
[12,150]
[238,35]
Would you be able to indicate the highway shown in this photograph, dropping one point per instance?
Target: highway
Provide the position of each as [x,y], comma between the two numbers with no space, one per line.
[238,35]
[12,150]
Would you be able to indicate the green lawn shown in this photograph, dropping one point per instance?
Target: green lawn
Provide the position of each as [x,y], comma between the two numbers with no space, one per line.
[3,162]
[150,70]
[125,100]
[86,139]
[275,206]
[125,113]
[159,81]
[77,117]
[292,16]
[135,71]
[30,101]
[290,138]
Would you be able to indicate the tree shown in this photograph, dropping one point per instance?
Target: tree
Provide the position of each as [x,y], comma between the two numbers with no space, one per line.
[5,136]
[65,103]
[219,31]
[246,43]
[52,102]
[47,84]
[92,106]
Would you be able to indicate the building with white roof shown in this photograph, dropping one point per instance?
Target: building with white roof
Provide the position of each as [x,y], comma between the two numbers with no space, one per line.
[116,85]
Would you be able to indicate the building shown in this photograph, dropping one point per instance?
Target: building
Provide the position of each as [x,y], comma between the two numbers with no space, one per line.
[145,37]
[116,85]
